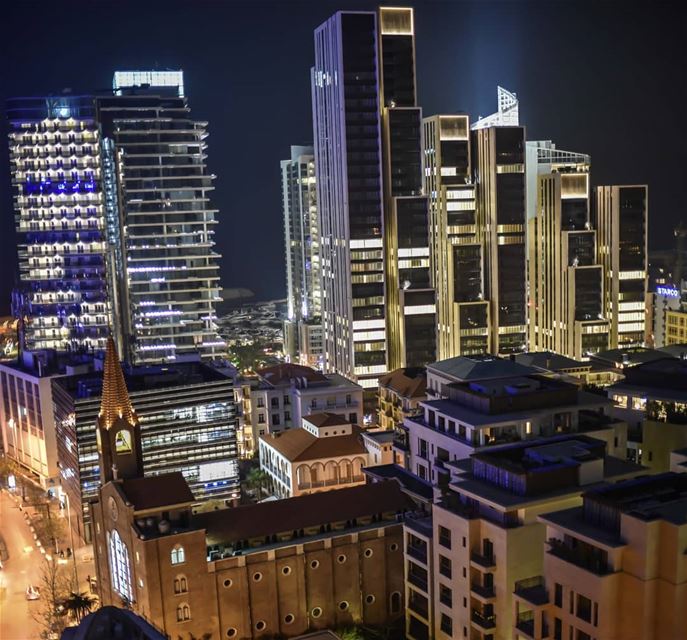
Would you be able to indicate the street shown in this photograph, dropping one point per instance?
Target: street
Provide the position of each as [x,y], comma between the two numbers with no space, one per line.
[21,568]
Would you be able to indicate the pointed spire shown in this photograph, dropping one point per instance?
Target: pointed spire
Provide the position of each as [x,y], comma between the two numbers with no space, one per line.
[115,401]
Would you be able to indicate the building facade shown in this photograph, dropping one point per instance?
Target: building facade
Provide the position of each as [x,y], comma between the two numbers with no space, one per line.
[284,394]
[399,393]
[484,542]
[456,248]
[302,240]
[327,452]
[188,420]
[59,198]
[566,297]
[614,566]
[501,223]
[621,224]
[115,221]
[378,304]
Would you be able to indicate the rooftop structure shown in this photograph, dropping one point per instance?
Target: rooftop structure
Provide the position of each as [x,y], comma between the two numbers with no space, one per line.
[508,114]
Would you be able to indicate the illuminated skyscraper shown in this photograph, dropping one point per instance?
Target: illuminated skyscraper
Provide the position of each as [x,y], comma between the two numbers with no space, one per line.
[457,253]
[55,156]
[621,223]
[115,223]
[302,239]
[378,307]
[566,309]
[169,270]
[501,222]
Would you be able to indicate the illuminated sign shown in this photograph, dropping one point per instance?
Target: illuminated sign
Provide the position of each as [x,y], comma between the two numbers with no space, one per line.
[669,292]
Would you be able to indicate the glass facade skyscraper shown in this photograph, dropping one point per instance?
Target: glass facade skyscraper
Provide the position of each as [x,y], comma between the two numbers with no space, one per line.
[115,221]
[56,163]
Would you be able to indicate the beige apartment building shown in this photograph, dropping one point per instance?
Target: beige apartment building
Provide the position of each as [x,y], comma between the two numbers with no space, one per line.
[398,395]
[615,567]
[485,538]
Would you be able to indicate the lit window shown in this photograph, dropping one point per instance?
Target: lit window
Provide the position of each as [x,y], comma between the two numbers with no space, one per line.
[119,566]
[178,555]
[123,442]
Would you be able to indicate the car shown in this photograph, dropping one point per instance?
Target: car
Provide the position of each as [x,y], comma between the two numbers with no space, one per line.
[32,593]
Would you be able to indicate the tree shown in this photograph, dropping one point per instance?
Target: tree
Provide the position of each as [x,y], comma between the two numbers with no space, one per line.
[257,480]
[8,467]
[78,605]
[53,586]
[49,528]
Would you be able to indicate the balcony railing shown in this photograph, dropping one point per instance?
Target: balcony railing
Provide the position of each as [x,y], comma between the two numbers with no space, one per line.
[417,552]
[484,621]
[484,591]
[525,623]
[484,561]
[580,557]
[418,607]
[533,590]
[417,581]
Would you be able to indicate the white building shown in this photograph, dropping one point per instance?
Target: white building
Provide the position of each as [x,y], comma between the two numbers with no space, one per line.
[326,453]
[285,393]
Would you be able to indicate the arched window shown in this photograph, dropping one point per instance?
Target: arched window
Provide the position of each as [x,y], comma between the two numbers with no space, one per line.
[120,566]
[183,612]
[395,602]
[178,555]
[180,584]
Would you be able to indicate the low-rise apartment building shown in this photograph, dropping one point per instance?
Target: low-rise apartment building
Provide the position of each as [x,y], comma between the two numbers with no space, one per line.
[283,394]
[614,567]
[473,415]
[399,393]
[326,453]
[484,537]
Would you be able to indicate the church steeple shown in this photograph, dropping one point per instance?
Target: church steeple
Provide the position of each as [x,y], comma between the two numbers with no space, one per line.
[115,402]
[119,434]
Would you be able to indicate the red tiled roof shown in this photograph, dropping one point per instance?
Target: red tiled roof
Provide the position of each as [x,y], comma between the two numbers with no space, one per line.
[408,383]
[297,445]
[326,419]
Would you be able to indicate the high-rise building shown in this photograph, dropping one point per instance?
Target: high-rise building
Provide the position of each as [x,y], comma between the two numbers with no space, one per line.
[378,306]
[346,121]
[169,270]
[621,224]
[57,173]
[566,304]
[115,223]
[501,223]
[302,239]
[456,249]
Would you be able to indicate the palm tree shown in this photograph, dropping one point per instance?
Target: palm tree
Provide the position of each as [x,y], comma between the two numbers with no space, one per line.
[78,605]
[256,480]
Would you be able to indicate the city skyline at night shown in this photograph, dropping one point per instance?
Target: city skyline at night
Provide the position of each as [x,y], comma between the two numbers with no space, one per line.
[633,50]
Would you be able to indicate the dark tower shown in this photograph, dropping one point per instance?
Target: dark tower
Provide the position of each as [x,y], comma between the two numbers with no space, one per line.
[119,434]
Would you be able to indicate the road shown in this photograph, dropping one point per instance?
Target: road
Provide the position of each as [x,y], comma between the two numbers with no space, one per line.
[21,568]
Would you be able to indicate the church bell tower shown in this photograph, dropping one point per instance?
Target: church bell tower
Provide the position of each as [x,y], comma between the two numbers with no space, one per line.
[118,431]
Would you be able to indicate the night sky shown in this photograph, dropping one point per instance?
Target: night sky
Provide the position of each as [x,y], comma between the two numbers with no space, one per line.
[604,78]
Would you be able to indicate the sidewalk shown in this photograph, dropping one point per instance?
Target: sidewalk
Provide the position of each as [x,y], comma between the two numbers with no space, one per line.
[81,563]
